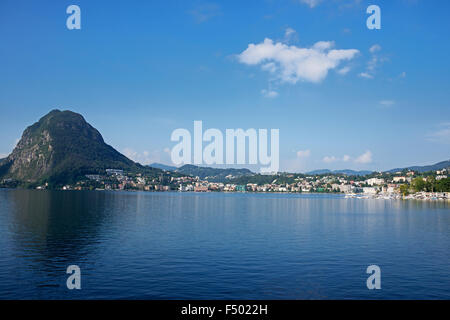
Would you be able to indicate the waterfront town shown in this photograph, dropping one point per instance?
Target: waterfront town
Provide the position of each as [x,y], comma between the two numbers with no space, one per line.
[433,185]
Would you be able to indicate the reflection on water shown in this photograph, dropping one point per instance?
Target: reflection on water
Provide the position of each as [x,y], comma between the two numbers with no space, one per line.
[247,246]
[56,224]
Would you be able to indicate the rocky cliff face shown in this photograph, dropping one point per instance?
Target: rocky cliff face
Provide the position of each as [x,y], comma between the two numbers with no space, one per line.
[32,156]
[61,146]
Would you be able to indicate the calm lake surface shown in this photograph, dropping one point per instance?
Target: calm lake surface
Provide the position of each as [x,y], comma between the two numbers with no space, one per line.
[136,245]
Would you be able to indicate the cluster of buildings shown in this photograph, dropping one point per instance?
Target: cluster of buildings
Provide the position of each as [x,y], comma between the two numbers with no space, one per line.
[119,180]
[387,186]
[380,185]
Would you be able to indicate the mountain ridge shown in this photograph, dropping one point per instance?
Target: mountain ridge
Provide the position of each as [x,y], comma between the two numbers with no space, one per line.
[61,147]
[214,174]
[162,166]
[433,167]
[437,166]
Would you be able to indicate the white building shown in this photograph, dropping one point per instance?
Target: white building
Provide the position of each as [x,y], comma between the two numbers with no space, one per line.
[346,188]
[370,190]
[375,181]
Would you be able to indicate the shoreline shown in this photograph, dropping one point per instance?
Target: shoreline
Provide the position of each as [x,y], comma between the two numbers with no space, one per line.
[422,196]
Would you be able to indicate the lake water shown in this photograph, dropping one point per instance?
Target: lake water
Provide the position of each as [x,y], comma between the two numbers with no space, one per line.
[136,245]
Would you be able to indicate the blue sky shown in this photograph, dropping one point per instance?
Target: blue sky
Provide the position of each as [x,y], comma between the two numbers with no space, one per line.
[137,70]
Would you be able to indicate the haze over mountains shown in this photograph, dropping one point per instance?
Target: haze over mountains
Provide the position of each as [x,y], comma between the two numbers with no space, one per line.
[62,146]
[347,172]
[162,166]
[205,171]
[437,166]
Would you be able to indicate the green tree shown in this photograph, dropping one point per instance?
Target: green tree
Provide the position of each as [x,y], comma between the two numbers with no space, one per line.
[404,189]
[443,185]
[418,184]
[430,185]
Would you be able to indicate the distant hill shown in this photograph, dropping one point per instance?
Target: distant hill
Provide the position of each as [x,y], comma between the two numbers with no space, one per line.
[162,166]
[60,148]
[347,172]
[213,174]
[437,166]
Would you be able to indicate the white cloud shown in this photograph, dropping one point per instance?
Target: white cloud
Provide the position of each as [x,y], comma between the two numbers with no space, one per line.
[374,62]
[442,135]
[365,75]
[303,154]
[375,48]
[387,103]
[271,67]
[311,3]
[291,63]
[343,71]
[402,75]
[364,158]
[330,159]
[131,154]
[3,155]
[290,34]
[269,93]
[148,157]
[297,164]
